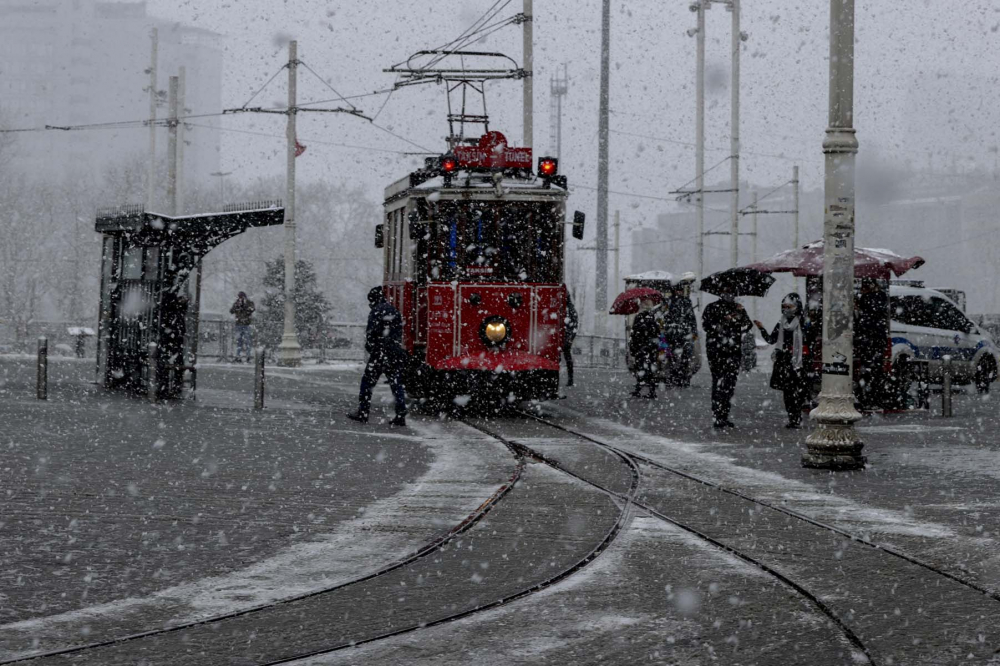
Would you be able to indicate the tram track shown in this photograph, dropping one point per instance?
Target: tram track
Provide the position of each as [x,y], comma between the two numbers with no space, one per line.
[431,547]
[521,454]
[889,550]
[813,599]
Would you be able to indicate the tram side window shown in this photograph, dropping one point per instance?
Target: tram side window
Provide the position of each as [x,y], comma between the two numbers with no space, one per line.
[400,243]
[387,247]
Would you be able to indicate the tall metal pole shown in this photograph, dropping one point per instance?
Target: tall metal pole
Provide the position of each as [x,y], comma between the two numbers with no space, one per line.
[601,259]
[172,147]
[529,65]
[795,208]
[753,255]
[734,161]
[834,444]
[151,175]
[618,252]
[699,135]
[289,351]
[181,112]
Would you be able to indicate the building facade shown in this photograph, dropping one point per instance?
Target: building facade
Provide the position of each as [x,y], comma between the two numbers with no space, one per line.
[82,62]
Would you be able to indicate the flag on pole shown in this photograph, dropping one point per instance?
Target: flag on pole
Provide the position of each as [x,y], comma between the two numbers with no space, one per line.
[299,148]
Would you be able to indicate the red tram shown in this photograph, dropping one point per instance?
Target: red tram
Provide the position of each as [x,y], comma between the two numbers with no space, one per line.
[473,259]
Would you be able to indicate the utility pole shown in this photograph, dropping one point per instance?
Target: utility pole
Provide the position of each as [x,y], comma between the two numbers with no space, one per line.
[558,87]
[172,147]
[734,159]
[529,65]
[289,351]
[795,208]
[834,444]
[753,254]
[699,135]
[618,252]
[151,173]
[182,111]
[601,260]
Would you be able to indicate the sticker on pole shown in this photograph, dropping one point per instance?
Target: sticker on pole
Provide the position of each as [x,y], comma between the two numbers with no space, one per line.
[836,369]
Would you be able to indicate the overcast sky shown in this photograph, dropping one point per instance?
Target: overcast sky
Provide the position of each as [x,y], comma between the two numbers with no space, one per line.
[925,90]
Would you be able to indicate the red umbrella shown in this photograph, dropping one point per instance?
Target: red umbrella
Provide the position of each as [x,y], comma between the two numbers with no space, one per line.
[868,262]
[628,301]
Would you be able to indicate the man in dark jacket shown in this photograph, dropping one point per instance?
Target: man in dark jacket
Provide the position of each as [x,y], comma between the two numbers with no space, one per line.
[384,344]
[871,339]
[243,310]
[570,327]
[644,347]
[724,322]
[681,327]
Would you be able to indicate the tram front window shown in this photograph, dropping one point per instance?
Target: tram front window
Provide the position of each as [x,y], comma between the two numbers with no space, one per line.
[487,242]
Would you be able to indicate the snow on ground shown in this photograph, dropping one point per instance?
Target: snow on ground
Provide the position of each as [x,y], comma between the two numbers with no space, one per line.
[705,461]
[460,479]
[597,609]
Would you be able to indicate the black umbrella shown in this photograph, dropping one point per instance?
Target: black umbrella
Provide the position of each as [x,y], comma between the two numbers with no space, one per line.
[740,281]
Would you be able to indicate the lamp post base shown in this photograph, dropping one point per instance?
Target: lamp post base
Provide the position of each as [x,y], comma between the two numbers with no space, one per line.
[834,446]
[289,352]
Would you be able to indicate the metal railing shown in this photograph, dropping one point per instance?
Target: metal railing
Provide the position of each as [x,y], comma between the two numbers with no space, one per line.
[342,341]
[597,351]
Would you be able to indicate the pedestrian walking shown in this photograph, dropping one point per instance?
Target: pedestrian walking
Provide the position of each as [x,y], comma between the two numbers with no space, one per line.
[871,336]
[243,310]
[724,322]
[386,356]
[570,326]
[787,374]
[644,347]
[680,329]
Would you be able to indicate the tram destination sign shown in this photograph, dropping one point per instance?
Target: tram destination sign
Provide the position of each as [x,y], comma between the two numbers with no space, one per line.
[493,153]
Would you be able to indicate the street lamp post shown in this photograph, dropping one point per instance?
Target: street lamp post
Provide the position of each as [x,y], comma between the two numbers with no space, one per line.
[834,444]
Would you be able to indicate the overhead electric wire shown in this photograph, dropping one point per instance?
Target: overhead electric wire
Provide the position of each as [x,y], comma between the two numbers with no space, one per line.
[326,83]
[464,39]
[311,141]
[261,89]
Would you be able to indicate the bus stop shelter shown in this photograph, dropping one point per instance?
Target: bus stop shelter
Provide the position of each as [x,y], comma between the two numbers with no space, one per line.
[150,290]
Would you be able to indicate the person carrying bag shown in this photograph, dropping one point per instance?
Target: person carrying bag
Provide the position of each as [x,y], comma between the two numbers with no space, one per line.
[787,374]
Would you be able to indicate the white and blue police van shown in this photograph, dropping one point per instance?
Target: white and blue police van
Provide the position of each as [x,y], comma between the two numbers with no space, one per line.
[926,326]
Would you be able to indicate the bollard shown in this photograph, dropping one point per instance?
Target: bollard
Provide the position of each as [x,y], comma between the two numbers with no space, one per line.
[258,378]
[154,379]
[946,387]
[43,369]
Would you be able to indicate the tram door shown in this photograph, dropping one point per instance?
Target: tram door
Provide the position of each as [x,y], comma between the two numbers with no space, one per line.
[149,289]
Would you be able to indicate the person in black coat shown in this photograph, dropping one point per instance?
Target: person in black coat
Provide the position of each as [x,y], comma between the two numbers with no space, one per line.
[570,326]
[384,344]
[680,329]
[871,340]
[787,375]
[724,322]
[644,347]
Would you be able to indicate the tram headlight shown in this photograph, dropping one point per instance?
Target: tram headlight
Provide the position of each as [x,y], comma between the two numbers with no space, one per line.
[494,331]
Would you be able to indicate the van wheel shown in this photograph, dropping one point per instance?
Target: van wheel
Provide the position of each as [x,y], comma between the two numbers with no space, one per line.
[986,374]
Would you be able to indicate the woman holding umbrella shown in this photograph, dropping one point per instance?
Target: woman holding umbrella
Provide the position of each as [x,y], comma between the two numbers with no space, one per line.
[787,375]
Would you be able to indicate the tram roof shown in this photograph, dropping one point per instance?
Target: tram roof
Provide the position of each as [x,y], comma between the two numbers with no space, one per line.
[478,185]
